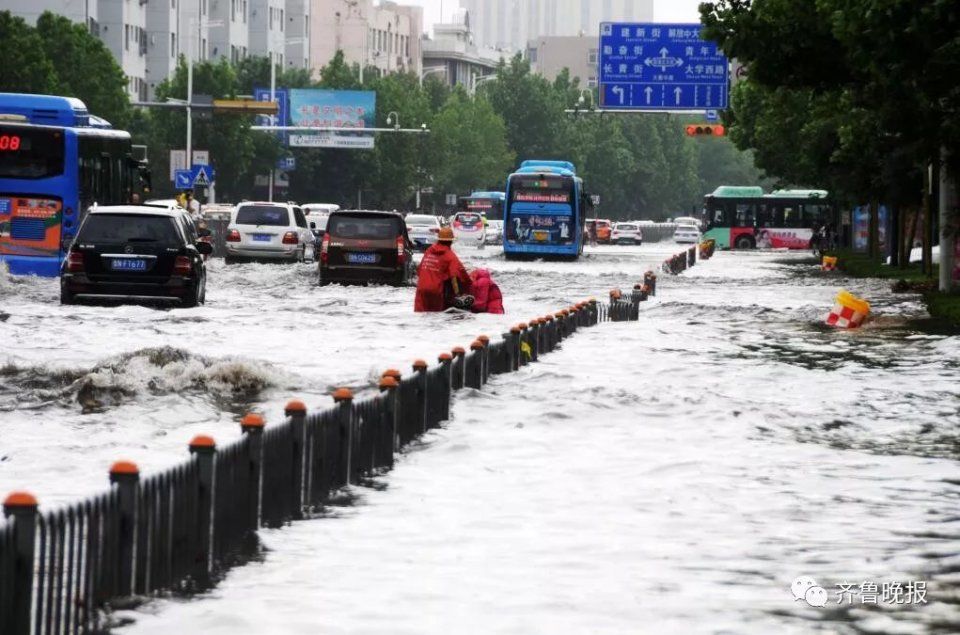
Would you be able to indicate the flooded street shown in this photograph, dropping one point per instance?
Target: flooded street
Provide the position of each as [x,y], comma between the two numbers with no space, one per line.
[673,475]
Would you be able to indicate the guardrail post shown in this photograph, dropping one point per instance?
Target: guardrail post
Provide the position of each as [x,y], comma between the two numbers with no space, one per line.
[561,326]
[22,507]
[446,363]
[523,357]
[650,279]
[534,339]
[515,352]
[420,368]
[252,425]
[296,410]
[126,476]
[594,312]
[204,448]
[391,422]
[475,370]
[485,357]
[343,397]
[459,377]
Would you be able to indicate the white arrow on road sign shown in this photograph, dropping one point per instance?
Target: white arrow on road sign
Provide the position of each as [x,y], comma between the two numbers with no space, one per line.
[678,92]
[618,90]
[649,93]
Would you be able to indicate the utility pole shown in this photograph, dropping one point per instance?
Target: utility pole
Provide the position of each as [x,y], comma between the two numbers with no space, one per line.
[273,98]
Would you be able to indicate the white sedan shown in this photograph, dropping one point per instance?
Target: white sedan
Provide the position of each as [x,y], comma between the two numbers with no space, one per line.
[686,234]
[626,233]
[423,229]
[469,229]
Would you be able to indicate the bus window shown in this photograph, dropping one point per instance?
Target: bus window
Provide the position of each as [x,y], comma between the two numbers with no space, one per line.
[746,215]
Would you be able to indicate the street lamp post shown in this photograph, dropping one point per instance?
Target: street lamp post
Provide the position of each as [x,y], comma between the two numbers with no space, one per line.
[428,71]
[479,79]
[393,119]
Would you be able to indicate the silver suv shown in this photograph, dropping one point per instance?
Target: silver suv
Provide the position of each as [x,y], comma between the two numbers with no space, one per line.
[269,231]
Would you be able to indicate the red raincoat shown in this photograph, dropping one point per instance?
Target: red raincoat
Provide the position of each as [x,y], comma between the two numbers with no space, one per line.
[486,293]
[438,267]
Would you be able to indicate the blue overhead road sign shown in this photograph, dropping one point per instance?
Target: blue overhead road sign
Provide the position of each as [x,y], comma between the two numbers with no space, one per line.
[183,179]
[660,67]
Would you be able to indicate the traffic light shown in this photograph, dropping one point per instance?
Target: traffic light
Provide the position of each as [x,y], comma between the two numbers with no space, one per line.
[706,130]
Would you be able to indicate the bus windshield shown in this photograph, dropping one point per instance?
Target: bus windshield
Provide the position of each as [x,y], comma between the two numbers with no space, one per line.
[27,153]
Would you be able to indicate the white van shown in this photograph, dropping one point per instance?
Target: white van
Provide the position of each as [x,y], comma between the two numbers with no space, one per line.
[317,215]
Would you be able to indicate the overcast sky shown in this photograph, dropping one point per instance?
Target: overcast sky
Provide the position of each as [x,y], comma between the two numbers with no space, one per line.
[664,10]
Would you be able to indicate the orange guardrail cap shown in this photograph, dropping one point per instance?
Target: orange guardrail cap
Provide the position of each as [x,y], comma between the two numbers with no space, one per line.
[419,365]
[202,441]
[20,499]
[444,357]
[458,350]
[392,372]
[548,318]
[523,326]
[388,382]
[253,420]
[295,405]
[559,315]
[515,329]
[342,394]
[476,345]
[484,339]
[124,467]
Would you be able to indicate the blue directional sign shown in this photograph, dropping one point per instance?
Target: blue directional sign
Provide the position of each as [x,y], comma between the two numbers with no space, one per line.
[286,164]
[183,179]
[660,67]
[282,97]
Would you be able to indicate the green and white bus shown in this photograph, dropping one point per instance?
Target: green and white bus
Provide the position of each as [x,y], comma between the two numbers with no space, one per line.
[739,217]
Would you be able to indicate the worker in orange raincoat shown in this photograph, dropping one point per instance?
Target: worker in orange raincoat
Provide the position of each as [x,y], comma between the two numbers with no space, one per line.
[441,276]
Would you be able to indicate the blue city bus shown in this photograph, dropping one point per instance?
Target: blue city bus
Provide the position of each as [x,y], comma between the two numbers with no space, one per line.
[56,160]
[545,211]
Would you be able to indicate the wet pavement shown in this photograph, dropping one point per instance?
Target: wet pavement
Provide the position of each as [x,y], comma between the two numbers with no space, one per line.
[671,475]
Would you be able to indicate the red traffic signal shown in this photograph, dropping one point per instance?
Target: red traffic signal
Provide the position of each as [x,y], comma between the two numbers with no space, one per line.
[706,130]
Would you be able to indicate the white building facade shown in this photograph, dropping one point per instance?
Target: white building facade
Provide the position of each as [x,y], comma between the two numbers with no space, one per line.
[383,38]
[297,41]
[511,24]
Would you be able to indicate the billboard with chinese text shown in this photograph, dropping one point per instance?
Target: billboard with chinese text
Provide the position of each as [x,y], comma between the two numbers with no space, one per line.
[351,110]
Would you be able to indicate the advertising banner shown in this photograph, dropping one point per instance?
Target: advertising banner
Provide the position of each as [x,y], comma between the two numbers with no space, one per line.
[351,110]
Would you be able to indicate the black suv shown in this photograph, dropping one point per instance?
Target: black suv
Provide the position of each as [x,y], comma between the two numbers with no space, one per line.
[132,252]
[366,246]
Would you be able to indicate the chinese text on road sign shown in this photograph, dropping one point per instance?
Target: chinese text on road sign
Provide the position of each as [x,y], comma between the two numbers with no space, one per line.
[660,67]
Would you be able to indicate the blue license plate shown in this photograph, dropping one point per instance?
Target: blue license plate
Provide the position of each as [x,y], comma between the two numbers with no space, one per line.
[128,264]
[262,238]
[362,259]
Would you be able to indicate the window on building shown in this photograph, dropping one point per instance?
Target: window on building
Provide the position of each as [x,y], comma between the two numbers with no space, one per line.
[126,37]
[592,56]
[173,45]
[233,10]
[281,20]
[591,82]
[203,7]
[270,19]
[173,4]
[244,8]
[532,55]
[203,48]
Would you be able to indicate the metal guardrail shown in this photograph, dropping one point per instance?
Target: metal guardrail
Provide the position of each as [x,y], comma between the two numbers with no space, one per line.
[63,571]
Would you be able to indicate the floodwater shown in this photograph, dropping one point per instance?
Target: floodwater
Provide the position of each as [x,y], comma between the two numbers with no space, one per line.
[674,475]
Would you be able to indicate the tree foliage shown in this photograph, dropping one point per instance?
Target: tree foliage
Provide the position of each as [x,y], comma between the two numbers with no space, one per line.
[59,57]
[857,95]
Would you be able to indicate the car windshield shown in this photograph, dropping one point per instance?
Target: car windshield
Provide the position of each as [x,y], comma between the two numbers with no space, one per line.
[627,228]
[468,219]
[687,228]
[422,220]
[365,227]
[128,228]
[263,215]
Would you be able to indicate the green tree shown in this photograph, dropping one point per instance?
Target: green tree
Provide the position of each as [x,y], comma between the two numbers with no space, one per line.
[85,68]
[468,145]
[26,67]
[254,72]
[236,152]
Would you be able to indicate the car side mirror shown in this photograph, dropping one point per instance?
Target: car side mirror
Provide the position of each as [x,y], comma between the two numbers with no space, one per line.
[313,225]
[204,248]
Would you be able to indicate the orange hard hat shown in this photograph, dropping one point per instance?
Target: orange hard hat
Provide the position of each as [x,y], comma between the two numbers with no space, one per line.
[445,235]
